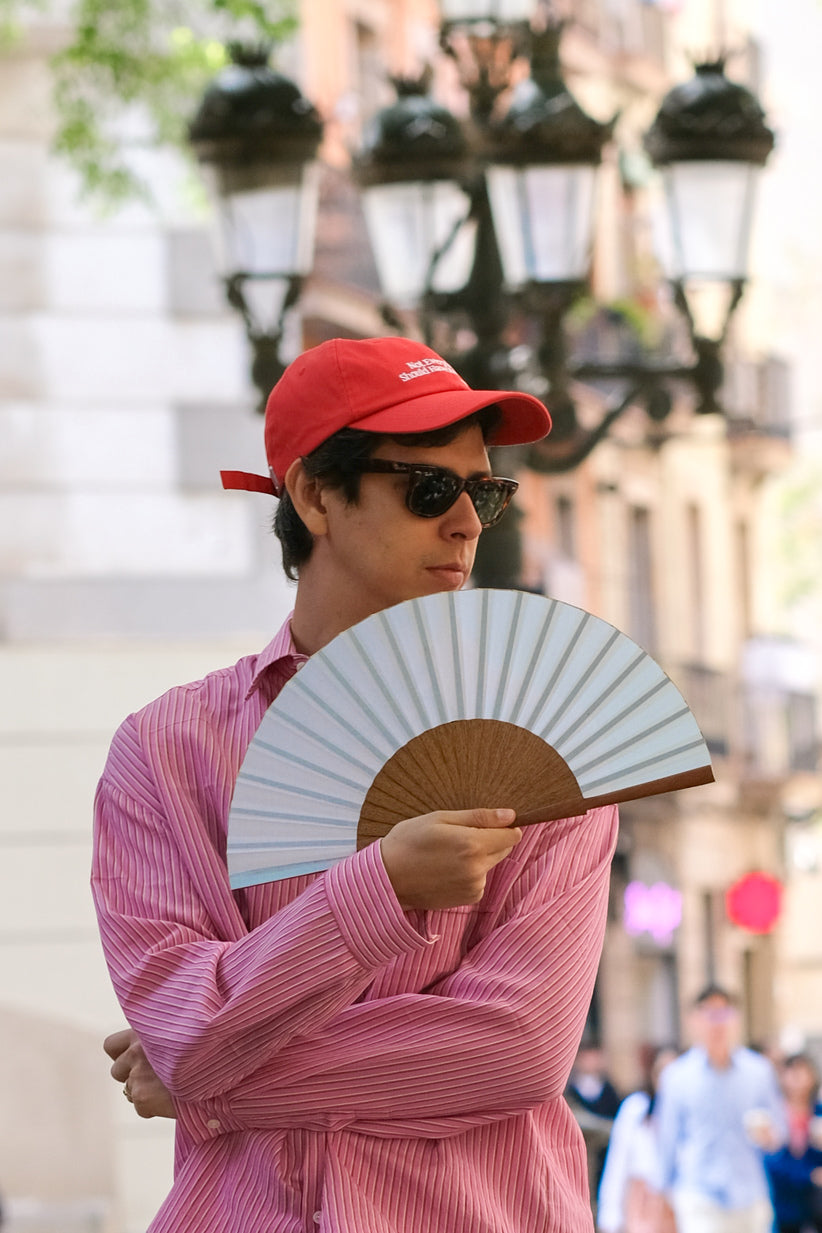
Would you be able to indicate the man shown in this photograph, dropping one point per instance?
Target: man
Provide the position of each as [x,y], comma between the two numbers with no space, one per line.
[718,1105]
[383,1047]
[595,1102]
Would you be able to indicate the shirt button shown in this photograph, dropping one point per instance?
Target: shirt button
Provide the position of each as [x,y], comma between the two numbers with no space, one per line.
[213,1124]
[317,1217]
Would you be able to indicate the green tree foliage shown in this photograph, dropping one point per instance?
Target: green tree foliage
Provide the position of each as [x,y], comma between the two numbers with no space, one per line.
[800,545]
[132,71]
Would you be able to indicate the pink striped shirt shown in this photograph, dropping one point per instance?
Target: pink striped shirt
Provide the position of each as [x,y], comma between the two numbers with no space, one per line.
[337,1063]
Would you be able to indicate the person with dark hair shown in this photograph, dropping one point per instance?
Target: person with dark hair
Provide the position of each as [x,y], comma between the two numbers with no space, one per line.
[794,1171]
[382,1047]
[630,1198]
[595,1102]
[718,1105]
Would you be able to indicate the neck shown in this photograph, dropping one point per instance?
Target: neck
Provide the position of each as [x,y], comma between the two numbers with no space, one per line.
[720,1057]
[313,627]
[322,610]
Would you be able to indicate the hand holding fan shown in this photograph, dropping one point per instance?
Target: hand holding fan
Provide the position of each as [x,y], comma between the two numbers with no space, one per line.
[452,701]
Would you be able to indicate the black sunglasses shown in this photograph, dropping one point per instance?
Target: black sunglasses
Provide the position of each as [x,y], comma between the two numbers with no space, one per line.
[433,490]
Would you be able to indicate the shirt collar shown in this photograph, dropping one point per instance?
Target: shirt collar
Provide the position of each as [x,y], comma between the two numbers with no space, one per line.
[279,652]
[702,1054]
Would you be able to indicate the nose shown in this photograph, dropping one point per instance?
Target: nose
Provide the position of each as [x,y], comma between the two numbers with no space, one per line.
[461,520]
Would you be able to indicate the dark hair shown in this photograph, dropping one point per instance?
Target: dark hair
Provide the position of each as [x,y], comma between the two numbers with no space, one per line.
[336,460]
[801,1059]
[714,991]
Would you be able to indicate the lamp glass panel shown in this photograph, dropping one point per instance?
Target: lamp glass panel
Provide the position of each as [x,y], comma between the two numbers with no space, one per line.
[264,299]
[710,207]
[409,224]
[270,230]
[543,218]
[487,10]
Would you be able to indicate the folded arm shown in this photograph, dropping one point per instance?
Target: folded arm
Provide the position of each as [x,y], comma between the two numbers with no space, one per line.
[494,1038]
[208,999]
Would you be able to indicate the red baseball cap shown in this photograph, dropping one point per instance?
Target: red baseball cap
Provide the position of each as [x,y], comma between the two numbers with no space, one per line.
[385,385]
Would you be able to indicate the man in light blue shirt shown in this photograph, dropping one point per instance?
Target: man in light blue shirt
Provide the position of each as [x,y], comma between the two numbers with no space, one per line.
[718,1105]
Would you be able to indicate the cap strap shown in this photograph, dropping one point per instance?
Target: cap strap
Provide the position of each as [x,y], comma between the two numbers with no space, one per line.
[248,483]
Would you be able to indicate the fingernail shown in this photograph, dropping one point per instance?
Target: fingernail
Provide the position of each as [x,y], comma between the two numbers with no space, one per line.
[505,815]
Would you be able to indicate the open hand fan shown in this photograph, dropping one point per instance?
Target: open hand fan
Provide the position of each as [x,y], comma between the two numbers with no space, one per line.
[456,700]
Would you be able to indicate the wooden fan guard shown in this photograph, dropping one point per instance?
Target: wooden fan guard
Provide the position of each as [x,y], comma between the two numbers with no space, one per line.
[487,763]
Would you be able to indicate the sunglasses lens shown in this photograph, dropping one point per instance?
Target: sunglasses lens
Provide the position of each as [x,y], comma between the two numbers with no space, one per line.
[490,498]
[432,493]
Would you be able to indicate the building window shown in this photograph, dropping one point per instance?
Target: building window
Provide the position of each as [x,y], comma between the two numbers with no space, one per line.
[369,71]
[566,527]
[641,607]
[696,586]
[743,573]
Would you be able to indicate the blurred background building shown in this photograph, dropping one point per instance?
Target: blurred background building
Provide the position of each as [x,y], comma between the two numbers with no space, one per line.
[125,386]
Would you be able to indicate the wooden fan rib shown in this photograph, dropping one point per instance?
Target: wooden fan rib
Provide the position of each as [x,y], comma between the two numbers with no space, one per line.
[403,668]
[290,722]
[668,783]
[264,782]
[479,651]
[536,655]
[505,668]
[635,740]
[613,721]
[572,689]
[556,676]
[356,693]
[378,678]
[560,739]
[640,768]
[508,767]
[424,636]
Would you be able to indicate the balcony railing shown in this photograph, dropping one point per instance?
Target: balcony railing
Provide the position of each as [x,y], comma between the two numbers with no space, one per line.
[770,728]
[710,695]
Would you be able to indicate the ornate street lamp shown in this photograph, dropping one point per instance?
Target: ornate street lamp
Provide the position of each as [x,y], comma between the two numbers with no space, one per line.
[410,172]
[488,221]
[257,138]
[526,182]
[711,141]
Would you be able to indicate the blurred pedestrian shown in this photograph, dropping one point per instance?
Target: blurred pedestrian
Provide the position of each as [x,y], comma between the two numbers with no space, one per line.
[794,1171]
[630,1196]
[718,1105]
[590,1086]
[595,1101]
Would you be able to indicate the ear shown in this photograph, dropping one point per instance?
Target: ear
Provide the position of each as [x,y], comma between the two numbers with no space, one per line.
[307,497]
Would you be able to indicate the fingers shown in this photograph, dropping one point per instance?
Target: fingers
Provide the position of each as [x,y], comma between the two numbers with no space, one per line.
[480,818]
[442,859]
[119,1042]
[125,1049]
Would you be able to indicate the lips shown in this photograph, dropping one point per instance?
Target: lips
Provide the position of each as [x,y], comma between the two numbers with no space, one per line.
[452,573]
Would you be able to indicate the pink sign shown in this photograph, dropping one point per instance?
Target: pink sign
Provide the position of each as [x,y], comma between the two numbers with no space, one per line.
[656,910]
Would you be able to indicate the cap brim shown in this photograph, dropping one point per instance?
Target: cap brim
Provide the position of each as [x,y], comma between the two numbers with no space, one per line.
[524,417]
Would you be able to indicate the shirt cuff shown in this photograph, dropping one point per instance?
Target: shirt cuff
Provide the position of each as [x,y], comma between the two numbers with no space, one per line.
[368,913]
[202,1120]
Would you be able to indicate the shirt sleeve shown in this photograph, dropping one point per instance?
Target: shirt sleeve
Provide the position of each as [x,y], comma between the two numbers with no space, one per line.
[668,1115]
[775,1103]
[616,1173]
[496,1037]
[210,1002]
